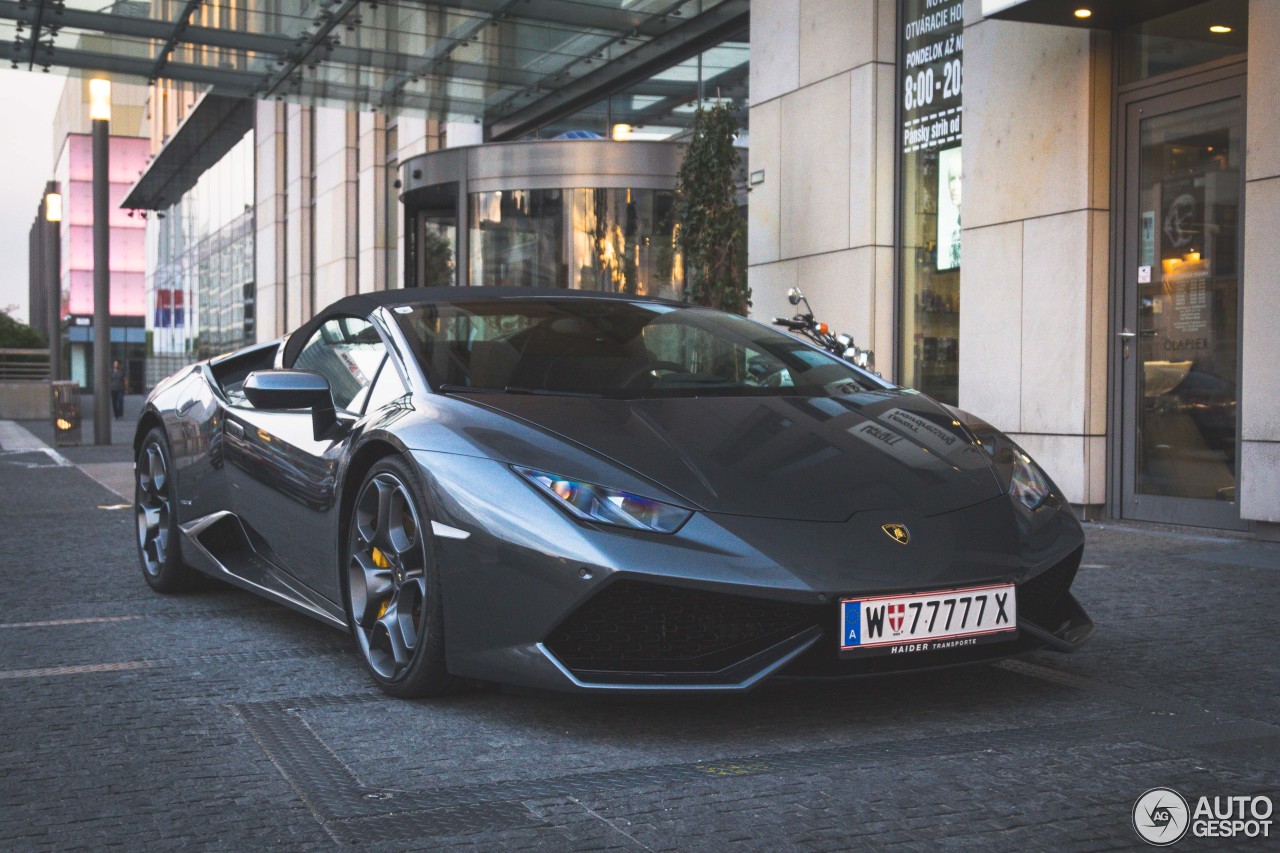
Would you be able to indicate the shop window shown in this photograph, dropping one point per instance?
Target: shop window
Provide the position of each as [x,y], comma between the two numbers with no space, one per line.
[930,78]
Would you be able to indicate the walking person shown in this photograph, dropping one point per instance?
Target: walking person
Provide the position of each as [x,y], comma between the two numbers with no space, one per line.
[117,389]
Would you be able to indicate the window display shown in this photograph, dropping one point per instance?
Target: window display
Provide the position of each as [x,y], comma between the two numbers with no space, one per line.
[930,70]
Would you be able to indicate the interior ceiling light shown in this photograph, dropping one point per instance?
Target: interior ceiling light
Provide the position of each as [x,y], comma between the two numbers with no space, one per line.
[1084,13]
[1219,28]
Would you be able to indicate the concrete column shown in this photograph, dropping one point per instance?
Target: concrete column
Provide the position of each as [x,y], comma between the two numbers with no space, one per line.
[299,228]
[270,254]
[335,205]
[822,131]
[460,133]
[1260,369]
[1034,283]
[373,202]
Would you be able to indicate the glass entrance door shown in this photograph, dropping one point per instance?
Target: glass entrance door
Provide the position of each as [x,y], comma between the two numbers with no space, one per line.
[1179,338]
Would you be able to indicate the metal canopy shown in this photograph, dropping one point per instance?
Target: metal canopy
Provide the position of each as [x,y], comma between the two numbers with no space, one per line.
[212,128]
[514,65]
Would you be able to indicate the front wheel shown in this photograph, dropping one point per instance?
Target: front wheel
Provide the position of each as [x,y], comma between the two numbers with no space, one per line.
[393,601]
[157,522]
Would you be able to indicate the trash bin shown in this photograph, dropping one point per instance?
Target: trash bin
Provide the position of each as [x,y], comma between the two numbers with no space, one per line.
[65,411]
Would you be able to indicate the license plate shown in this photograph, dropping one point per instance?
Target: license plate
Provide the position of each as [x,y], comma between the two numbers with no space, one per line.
[928,621]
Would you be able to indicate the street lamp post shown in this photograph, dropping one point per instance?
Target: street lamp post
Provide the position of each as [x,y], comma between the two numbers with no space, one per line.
[100,113]
[53,283]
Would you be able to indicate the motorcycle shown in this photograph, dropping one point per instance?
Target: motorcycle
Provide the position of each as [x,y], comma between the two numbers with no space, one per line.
[840,345]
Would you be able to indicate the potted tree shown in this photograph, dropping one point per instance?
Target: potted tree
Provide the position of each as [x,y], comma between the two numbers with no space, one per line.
[712,233]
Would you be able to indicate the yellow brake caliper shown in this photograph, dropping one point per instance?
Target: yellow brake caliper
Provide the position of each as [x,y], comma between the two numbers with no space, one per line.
[380,560]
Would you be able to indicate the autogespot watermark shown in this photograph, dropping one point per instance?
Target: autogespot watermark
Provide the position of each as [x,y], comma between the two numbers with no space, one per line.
[1162,817]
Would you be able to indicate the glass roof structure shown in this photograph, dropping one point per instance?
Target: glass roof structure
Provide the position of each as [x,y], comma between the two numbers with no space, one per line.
[518,66]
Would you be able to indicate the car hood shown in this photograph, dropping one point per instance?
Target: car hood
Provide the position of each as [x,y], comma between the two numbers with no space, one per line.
[814,458]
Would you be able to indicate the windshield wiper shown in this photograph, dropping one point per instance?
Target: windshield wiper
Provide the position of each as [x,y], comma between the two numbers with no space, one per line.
[514,389]
[468,389]
[547,392]
[701,379]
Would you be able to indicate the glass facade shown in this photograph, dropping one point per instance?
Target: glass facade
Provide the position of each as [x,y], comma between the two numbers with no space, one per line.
[649,111]
[1189,192]
[930,78]
[447,60]
[616,240]
[200,287]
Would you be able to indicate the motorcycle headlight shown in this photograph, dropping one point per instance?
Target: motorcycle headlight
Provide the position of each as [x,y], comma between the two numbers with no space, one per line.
[1029,485]
[603,505]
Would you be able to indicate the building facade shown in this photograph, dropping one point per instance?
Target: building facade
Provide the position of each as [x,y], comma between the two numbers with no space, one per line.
[1111,305]
[69,258]
[1045,213]
[200,276]
[74,176]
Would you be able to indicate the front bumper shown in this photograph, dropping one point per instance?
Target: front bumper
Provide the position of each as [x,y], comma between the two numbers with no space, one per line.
[534,598]
[637,635]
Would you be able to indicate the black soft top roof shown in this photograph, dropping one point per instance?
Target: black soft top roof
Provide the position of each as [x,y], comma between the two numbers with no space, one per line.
[364,304]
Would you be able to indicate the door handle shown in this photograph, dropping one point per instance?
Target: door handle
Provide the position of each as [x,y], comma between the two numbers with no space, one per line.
[235,429]
[1125,334]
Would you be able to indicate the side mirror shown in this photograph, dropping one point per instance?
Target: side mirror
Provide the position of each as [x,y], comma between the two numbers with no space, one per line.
[794,296]
[293,389]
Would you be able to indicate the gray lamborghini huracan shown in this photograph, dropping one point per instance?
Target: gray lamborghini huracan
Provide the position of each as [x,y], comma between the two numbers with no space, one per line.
[590,492]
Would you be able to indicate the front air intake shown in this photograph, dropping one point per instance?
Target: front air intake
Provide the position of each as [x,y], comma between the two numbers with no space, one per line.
[634,627]
[1041,597]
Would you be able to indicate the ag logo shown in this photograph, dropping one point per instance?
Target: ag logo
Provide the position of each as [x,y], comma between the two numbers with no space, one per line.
[897,532]
[1161,817]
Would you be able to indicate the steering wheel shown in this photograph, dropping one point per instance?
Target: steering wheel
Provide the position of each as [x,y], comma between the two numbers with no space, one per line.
[652,367]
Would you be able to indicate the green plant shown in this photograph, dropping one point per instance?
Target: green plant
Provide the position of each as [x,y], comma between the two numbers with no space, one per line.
[713,235]
[18,335]
[437,259]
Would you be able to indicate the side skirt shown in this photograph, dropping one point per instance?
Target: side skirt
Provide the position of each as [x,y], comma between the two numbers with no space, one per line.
[217,545]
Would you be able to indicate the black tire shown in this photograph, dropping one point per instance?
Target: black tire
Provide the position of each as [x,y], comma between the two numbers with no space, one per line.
[393,584]
[154,507]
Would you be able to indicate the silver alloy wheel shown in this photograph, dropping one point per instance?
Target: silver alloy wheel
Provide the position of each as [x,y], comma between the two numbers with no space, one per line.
[152,508]
[386,575]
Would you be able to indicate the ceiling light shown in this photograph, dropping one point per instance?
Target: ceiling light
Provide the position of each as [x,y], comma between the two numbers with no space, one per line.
[1084,13]
[1219,28]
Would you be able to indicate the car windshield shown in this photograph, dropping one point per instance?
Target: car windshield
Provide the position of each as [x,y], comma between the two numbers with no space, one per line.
[615,348]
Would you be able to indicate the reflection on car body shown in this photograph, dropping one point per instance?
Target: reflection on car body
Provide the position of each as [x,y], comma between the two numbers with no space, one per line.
[587,492]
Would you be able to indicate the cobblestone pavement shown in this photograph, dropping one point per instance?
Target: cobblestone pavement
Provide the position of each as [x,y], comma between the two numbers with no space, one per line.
[215,720]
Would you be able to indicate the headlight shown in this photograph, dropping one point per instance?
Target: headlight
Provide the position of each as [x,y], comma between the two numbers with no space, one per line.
[1029,485]
[1015,469]
[607,506]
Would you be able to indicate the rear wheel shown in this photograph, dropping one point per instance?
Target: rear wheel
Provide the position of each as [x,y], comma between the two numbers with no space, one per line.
[158,548]
[393,601]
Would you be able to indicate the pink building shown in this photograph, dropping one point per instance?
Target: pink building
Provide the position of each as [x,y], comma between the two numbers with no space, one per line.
[74,174]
